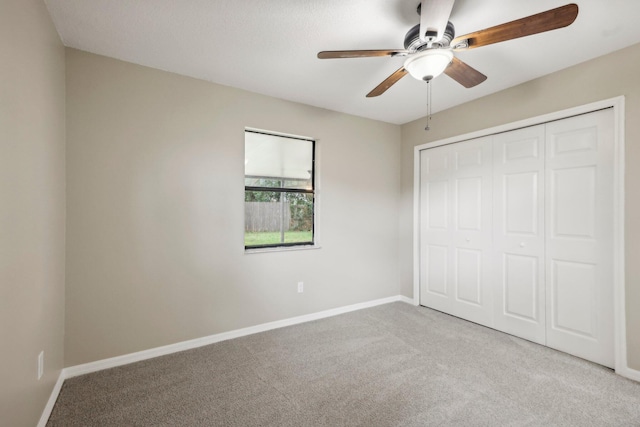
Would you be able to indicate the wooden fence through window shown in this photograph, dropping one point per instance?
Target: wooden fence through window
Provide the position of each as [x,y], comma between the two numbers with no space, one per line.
[266,216]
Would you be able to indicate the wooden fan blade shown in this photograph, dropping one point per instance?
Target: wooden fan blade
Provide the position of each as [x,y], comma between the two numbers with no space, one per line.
[546,21]
[329,54]
[388,82]
[434,16]
[464,74]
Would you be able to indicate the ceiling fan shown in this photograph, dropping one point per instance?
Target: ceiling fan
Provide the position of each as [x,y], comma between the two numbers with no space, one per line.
[429,46]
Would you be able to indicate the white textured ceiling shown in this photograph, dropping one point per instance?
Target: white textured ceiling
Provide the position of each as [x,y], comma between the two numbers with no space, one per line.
[270,47]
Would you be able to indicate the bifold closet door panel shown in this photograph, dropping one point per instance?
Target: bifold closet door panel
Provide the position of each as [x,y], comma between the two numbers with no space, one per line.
[471,270]
[518,232]
[579,236]
[455,227]
[435,229]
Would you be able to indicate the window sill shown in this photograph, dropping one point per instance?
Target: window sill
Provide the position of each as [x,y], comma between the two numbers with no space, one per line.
[282,249]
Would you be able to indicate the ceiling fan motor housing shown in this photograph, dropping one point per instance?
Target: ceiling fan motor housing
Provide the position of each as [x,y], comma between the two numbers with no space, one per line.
[413,43]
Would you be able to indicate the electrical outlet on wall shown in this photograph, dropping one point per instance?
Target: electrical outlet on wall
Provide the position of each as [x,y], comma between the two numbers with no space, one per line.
[300,287]
[40,364]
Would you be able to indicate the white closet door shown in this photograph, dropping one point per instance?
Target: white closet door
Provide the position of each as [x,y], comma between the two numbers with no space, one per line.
[579,229]
[455,249]
[472,224]
[518,212]
[435,228]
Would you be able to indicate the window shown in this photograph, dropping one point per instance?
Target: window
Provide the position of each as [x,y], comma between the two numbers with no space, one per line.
[279,190]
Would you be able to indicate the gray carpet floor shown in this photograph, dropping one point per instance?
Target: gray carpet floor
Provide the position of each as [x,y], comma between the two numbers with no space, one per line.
[391,365]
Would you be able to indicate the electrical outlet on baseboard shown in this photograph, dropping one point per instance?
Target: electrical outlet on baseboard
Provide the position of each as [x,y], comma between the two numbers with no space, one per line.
[300,287]
[40,364]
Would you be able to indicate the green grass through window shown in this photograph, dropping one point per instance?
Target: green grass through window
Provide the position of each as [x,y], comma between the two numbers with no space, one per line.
[273,238]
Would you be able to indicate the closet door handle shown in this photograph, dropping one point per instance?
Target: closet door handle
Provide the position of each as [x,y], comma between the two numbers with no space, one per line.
[522,244]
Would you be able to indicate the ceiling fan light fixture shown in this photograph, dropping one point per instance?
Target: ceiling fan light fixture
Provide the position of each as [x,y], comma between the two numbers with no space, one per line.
[429,64]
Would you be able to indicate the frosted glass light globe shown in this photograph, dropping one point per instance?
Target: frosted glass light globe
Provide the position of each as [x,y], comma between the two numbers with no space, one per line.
[429,64]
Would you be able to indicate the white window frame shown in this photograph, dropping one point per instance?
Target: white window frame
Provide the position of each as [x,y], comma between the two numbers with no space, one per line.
[316,201]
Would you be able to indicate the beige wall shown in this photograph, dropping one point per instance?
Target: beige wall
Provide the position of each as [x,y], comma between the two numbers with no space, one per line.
[32,208]
[606,77]
[155,169]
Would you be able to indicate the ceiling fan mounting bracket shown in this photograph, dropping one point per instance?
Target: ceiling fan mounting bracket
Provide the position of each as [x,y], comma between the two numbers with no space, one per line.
[413,43]
[461,44]
[430,36]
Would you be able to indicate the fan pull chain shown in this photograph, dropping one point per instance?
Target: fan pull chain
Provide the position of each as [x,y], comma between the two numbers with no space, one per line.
[428,105]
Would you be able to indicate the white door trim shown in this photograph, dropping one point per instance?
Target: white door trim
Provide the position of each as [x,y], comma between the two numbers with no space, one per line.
[618,105]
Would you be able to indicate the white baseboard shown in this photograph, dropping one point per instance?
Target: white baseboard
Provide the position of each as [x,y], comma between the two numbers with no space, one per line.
[52,400]
[408,300]
[112,362]
[627,372]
